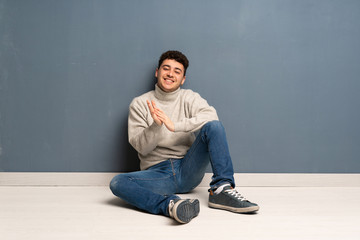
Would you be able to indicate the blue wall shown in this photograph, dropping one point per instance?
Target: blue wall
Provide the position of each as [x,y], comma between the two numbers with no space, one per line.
[283,75]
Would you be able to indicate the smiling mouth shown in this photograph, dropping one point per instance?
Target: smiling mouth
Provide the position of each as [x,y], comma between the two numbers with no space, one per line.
[169,80]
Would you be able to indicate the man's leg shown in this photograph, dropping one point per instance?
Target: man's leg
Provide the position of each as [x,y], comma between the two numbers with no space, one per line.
[153,191]
[211,146]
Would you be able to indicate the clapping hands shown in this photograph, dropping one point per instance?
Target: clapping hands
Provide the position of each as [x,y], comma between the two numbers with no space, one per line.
[160,117]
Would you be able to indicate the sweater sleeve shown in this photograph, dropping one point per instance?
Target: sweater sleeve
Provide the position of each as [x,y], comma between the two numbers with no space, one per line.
[144,137]
[199,114]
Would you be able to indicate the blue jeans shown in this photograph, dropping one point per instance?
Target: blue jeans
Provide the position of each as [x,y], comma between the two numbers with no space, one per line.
[152,189]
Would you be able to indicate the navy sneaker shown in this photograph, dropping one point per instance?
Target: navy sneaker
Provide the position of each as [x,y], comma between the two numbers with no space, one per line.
[229,199]
[183,210]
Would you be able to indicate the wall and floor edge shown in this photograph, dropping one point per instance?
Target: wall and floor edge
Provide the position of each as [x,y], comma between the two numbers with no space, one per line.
[241,179]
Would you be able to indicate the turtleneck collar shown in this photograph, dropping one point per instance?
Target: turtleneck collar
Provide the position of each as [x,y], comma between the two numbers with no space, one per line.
[166,96]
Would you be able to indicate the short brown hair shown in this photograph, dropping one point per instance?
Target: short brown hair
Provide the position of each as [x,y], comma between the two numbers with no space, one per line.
[175,55]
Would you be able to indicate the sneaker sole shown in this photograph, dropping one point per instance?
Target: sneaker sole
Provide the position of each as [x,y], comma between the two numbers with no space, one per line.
[236,210]
[191,208]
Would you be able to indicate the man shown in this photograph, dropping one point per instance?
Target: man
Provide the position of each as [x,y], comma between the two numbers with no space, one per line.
[176,134]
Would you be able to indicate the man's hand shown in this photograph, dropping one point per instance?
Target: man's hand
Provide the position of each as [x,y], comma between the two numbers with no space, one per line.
[161,116]
[153,115]
[165,119]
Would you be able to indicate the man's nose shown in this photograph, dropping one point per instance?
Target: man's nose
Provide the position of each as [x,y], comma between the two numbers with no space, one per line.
[170,73]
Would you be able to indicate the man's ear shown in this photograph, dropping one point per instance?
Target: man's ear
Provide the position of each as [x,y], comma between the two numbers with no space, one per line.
[156,72]
[183,81]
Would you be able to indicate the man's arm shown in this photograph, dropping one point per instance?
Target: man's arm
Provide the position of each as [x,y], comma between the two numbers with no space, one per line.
[200,113]
[142,136]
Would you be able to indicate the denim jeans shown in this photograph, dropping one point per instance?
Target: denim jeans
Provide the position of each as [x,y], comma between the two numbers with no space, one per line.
[152,189]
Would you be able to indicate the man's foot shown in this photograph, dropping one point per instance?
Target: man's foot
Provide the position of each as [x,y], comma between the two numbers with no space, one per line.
[183,210]
[229,199]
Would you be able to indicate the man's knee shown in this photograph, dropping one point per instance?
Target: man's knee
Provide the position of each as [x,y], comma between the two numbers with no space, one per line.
[214,125]
[117,183]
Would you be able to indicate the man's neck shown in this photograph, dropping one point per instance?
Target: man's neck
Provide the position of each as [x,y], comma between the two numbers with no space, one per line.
[166,96]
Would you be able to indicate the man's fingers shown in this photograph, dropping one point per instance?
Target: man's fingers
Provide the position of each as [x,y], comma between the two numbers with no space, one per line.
[150,106]
[159,115]
[161,118]
[154,114]
[158,111]
[155,108]
[154,105]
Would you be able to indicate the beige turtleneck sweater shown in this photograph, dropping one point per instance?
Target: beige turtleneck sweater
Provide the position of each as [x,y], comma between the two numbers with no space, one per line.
[154,143]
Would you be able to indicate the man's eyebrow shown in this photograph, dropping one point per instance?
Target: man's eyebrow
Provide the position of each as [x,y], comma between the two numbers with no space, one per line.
[166,65]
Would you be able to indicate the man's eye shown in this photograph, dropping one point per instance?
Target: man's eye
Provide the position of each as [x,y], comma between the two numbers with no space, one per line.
[177,72]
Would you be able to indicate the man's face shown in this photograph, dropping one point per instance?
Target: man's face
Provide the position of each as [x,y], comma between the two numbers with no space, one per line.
[170,75]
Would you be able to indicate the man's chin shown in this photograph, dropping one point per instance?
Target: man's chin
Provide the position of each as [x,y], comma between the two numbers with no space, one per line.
[167,88]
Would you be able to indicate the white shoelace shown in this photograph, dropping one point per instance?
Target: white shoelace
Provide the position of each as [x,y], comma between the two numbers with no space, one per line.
[219,189]
[234,193]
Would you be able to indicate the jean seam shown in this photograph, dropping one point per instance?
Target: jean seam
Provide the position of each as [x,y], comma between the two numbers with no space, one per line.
[147,179]
[174,175]
[193,149]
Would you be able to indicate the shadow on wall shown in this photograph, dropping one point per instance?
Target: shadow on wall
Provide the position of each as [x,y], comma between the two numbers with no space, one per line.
[125,158]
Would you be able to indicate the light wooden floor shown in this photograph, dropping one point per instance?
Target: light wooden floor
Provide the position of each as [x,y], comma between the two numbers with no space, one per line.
[94,213]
